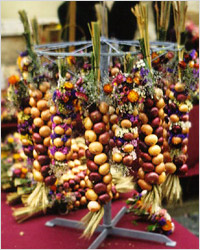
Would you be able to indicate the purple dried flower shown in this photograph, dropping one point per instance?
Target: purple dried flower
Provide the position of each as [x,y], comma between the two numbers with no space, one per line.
[24,53]
[168,232]
[54,135]
[162,221]
[144,72]
[170,70]
[65,150]
[193,54]
[64,138]
[53,149]
[54,96]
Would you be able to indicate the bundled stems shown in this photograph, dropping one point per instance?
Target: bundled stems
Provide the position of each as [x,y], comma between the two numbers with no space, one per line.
[151,200]
[27,32]
[34,25]
[171,189]
[140,11]
[95,34]
[123,184]
[162,19]
[179,11]
[36,202]
[94,220]
[27,35]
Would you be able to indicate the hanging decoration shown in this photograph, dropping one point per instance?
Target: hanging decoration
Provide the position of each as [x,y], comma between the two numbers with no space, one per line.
[179,105]
[152,170]
[97,138]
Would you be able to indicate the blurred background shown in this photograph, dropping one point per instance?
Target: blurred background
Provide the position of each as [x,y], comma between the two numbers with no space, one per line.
[67,20]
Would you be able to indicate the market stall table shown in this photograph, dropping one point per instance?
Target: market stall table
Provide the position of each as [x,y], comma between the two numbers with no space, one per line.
[33,234]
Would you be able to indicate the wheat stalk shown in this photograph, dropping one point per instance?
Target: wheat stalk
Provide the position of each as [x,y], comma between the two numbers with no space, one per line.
[179,12]
[162,19]
[140,11]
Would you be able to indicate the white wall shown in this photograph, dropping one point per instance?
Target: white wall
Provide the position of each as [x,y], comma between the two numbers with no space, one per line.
[44,11]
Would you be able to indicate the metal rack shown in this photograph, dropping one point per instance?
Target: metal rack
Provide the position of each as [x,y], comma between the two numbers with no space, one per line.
[48,50]
[109,48]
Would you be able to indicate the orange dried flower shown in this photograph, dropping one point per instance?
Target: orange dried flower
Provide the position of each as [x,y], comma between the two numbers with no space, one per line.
[107,88]
[69,85]
[78,107]
[167,226]
[154,55]
[13,79]
[129,79]
[139,203]
[22,176]
[66,99]
[137,80]
[133,96]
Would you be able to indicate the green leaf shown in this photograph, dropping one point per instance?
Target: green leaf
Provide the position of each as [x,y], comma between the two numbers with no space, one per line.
[151,228]
[134,222]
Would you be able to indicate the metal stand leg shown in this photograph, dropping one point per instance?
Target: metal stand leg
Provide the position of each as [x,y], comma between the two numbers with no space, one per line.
[69,223]
[99,239]
[108,228]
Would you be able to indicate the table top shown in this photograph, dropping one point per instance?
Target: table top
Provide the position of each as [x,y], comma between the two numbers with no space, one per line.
[33,234]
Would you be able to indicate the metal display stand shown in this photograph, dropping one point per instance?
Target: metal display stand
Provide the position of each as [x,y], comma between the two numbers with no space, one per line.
[109,225]
[109,228]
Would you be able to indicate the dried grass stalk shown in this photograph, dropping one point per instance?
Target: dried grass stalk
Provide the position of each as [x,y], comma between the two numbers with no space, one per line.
[91,222]
[123,184]
[140,11]
[162,19]
[152,199]
[171,189]
[36,202]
